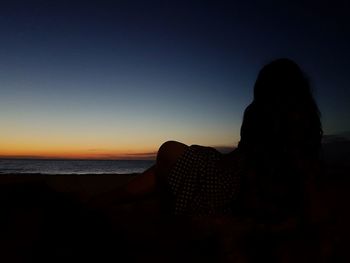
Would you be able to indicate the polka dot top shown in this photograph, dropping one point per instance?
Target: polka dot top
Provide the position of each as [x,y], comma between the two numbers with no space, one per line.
[201,186]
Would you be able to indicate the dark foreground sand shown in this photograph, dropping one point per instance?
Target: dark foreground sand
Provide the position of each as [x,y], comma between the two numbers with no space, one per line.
[82,186]
[46,218]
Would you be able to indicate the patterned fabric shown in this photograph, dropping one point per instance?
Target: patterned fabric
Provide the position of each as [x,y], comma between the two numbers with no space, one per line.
[201,186]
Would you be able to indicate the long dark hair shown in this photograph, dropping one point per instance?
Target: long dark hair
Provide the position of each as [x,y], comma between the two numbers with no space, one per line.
[281,127]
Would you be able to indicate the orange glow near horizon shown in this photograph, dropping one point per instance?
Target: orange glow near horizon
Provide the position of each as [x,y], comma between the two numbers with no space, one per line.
[29,150]
[72,140]
[77,154]
[126,151]
[74,149]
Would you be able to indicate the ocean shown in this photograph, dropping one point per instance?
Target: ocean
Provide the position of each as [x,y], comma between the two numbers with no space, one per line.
[30,166]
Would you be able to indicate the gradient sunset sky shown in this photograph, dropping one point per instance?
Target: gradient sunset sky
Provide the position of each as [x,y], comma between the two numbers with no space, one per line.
[115,79]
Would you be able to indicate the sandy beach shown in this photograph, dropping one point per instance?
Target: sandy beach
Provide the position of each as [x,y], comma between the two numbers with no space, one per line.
[82,186]
[46,218]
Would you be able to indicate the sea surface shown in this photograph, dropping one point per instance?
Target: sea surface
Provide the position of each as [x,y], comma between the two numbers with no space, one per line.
[30,166]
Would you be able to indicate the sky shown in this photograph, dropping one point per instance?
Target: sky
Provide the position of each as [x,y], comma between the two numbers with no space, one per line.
[115,79]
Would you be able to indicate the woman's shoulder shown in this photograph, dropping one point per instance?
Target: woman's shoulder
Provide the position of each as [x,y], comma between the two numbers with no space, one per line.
[233,159]
[225,160]
[202,148]
[204,151]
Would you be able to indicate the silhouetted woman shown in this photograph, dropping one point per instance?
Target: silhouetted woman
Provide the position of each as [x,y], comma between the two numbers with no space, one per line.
[264,177]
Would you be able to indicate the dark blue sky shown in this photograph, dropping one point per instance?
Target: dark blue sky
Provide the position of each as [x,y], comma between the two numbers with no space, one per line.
[158,70]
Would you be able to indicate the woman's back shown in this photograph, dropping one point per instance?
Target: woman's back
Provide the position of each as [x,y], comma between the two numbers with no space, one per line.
[281,137]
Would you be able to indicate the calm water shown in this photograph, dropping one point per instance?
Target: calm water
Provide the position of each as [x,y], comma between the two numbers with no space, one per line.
[73,166]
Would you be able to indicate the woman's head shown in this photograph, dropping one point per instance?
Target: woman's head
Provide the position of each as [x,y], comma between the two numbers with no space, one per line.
[281,79]
[283,115]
